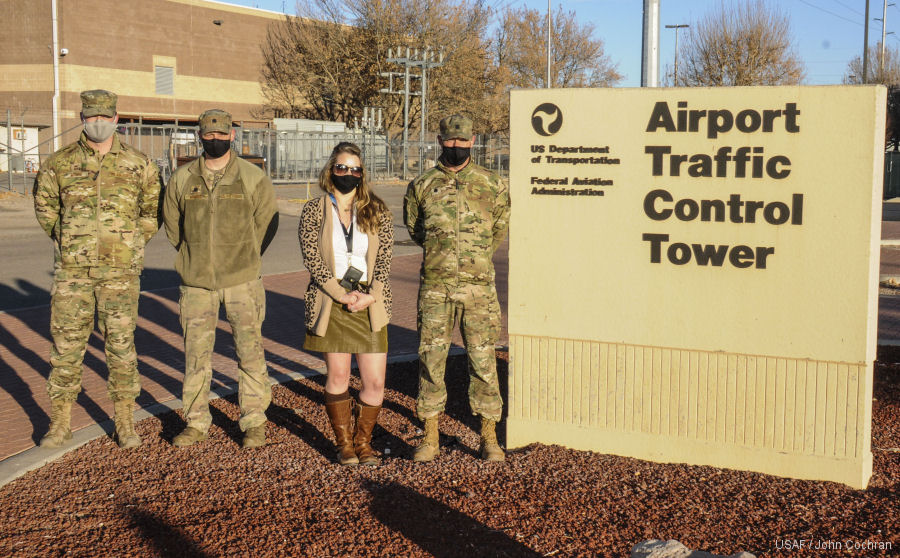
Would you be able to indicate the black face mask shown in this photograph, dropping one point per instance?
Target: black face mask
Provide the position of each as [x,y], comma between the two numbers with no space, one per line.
[345,183]
[454,156]
[215,148]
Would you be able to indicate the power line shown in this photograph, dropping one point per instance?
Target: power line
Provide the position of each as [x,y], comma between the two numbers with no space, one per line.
[849,8]
[830,12]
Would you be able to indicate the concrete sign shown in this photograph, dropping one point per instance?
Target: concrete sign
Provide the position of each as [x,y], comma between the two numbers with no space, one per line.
[694,274]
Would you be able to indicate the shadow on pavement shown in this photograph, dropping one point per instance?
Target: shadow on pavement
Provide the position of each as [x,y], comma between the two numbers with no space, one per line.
[19,389]
[11,380]
[25,295]
[154,279]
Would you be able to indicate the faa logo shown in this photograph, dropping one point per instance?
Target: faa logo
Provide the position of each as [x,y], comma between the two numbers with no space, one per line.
[546,119]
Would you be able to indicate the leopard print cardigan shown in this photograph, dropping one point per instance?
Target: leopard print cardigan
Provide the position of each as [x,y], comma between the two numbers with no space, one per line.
[322,282]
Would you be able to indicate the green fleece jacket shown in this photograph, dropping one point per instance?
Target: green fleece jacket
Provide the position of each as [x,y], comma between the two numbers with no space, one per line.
[219,227]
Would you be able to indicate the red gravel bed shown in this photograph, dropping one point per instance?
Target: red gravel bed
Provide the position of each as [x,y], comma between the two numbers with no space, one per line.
[290,499]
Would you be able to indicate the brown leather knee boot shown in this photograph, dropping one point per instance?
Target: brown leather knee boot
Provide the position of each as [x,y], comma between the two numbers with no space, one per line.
[340,414]
[366,417]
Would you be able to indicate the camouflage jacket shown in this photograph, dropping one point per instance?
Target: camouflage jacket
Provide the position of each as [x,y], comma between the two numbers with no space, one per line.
[219,227]
[99,210]
[459,218]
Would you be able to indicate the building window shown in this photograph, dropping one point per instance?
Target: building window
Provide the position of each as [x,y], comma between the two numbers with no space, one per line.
[165,80]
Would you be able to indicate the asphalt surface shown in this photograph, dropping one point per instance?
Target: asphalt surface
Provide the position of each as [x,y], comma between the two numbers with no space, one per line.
[26,273]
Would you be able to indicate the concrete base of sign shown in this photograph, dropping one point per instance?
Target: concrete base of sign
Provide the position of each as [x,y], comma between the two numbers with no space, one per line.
[663,449]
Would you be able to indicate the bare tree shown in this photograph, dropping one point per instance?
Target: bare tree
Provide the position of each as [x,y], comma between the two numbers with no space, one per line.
[745,42]
[326,62]
[577,57]
[518,48]
[887,73]
[312,67]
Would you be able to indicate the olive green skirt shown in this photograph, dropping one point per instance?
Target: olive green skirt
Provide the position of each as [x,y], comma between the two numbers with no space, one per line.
[348,332]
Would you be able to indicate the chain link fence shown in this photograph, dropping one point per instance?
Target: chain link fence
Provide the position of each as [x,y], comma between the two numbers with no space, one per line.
[286,156]
[293,156]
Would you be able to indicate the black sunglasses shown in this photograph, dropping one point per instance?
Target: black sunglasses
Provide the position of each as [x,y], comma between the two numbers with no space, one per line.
[340,169]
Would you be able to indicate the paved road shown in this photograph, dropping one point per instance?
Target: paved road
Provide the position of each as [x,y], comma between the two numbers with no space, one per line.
[27,254]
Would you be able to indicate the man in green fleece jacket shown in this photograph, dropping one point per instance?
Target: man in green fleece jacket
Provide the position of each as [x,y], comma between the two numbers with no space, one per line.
[220,214]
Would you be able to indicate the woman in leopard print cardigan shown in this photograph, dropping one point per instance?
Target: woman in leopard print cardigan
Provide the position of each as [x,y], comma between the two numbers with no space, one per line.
[349,228]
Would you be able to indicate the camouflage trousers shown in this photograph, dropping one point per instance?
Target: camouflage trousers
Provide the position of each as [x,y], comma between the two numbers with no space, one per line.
[245,309]
[75,295]
[477,310]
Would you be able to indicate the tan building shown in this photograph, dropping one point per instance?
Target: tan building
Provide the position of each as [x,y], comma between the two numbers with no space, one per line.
[168,60]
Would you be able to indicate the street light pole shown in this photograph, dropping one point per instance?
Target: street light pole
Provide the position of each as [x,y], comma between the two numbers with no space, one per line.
[650,50]
[676,28]
[883,37]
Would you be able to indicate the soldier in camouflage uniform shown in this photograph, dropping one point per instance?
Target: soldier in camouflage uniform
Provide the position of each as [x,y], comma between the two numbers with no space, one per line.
[458,212]
[97,199]
[220,215]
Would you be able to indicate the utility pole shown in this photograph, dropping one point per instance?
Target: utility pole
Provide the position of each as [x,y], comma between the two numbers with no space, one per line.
[412,58]
[884,35]
[371,122]
[547,83]
[676,28]
[401,55]
[650,52]
[865,68]
[426,61]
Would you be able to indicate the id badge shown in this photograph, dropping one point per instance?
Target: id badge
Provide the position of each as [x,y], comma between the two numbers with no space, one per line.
[358,262]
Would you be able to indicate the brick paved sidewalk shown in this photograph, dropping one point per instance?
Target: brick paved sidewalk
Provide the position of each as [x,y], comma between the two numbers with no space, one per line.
[25,350]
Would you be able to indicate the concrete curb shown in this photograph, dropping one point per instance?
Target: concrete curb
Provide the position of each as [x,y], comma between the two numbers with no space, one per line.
[17,465]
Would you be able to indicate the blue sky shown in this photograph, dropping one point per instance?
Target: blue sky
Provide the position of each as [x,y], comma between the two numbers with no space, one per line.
[829,33]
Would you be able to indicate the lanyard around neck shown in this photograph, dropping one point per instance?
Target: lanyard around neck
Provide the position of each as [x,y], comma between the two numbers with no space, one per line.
[348,233]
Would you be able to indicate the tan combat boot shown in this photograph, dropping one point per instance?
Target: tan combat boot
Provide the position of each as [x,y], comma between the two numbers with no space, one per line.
[255,437]
[366,417]
[340,415]
[490,449]
[429,447]
[124,419]
[188,436]
[60,425]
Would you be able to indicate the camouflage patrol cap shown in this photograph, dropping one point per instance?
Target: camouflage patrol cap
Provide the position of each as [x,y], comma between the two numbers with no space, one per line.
[98,102]
[456,126]
[215,120]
